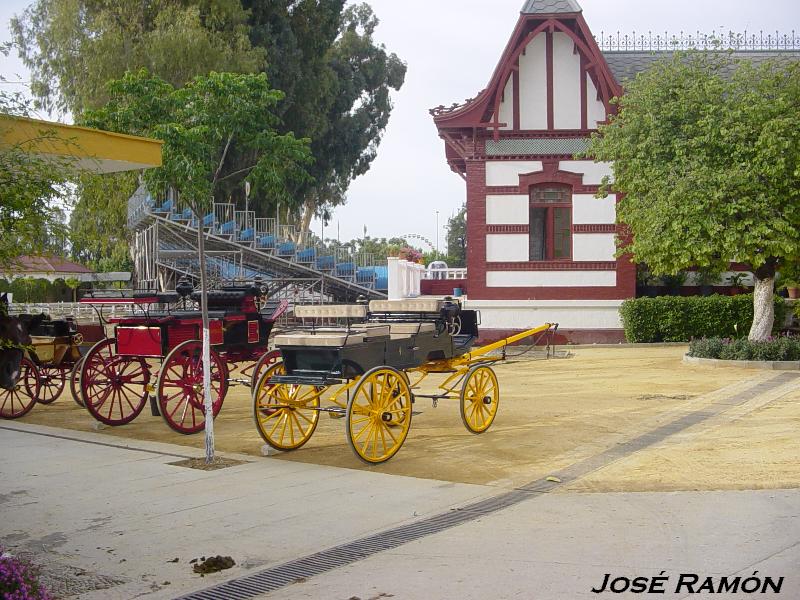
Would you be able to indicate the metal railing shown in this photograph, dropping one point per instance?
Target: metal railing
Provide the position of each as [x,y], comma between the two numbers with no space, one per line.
[445,273]
[649,42]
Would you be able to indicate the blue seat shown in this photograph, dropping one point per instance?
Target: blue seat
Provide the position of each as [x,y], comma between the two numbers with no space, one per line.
[307,255]
[166,207]
[347,269]
[267,241]
[286,249]
[326,263]
[247,235]
[365,275]
[382,283]
[208,220]
[227,228]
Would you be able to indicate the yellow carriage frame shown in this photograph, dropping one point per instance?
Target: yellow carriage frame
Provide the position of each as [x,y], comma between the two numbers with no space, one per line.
[377,405]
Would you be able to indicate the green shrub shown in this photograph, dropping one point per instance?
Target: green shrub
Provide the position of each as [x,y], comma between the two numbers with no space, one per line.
[780,348]
[680,319]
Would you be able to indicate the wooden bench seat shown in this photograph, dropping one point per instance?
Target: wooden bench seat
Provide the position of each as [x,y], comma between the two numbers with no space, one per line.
[335,339]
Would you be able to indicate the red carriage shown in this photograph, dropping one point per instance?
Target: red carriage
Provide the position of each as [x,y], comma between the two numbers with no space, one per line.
[156,352]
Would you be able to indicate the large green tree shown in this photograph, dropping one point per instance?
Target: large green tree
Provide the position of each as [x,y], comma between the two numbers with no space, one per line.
[706,152]
[337,80]
[457,239]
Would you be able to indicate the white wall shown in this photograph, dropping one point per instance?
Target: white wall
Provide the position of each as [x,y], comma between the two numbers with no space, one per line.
[569,314]
[593,172]
[506,112]
[499,279]
[566,83]
[586,209]
[593,246]
[533,85]
[507,247]
[507,210]
[507,172]
[596,110]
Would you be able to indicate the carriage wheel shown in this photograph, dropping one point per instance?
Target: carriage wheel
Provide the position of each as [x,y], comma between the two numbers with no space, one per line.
[479,398]
[113,387]
[267,360]
[52,381]
[19,401]
[379,415]
[75,382]
[180,387]
[293,424]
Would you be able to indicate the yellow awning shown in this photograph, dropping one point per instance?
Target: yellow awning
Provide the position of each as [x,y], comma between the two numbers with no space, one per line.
[88,149]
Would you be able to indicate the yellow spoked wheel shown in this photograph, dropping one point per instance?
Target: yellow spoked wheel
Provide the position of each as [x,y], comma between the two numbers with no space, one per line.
[379,415]
[479,397]
[284,413]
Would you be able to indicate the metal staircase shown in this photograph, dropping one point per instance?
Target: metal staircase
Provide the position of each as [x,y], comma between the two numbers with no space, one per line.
[240,246]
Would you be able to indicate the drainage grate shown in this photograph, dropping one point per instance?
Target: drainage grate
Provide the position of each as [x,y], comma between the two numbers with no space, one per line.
[303,568]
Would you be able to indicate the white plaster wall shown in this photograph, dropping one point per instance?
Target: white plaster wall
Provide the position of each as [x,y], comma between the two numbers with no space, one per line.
[507,172]
[551,278]
[507,247]
[506,112]
[592,171]
[533,85]
[586,209]
[566,83]
[595,109]
[507,210]
[569,314]
[593,246]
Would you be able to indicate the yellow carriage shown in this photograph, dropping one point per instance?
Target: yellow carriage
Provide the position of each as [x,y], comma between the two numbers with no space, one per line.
[369,372]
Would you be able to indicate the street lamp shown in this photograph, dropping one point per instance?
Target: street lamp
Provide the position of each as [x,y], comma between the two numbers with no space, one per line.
[437,234]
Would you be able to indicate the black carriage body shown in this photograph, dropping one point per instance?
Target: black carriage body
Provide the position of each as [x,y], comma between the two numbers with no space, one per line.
[325,365]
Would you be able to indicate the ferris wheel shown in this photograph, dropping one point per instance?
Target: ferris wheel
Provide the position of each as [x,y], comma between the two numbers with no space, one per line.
[416,236]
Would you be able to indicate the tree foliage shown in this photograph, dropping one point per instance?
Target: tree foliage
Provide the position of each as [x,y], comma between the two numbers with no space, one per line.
[706,151]
[198,124]
[457,239]
[73,47]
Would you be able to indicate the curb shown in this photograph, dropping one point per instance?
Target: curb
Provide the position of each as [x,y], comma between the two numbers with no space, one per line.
[764,365]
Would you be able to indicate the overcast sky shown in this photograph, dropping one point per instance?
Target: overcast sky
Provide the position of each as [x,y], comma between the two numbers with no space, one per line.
[451,48]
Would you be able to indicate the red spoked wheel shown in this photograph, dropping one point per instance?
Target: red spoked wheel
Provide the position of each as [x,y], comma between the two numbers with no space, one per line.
[180,387]
[262,364]
[52,381]
[19,401]
[75,383]
[113,387]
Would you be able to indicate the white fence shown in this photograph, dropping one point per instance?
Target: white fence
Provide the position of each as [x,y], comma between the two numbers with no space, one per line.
[404,278]
[445,273]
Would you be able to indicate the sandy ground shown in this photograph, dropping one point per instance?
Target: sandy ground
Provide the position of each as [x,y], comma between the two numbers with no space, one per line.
[552,413]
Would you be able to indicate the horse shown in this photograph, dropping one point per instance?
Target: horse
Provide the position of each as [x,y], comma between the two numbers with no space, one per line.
[14,336]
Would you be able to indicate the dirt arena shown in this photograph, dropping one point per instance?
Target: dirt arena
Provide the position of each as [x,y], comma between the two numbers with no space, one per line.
[552,414]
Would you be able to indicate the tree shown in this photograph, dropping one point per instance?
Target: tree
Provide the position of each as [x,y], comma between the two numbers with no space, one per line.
[457,239]
[337,81]
[706,155]
[198,124]
[73,47]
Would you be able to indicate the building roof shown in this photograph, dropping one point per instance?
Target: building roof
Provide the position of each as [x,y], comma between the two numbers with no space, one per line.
[550,7]
[627,64]
[48,264]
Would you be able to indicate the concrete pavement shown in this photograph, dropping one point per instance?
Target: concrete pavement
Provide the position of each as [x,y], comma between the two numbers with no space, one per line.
[105,520]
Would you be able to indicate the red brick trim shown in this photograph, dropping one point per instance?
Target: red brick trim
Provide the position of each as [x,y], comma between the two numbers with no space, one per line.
[508,229]
[594,228]
[510,190]
[552,265]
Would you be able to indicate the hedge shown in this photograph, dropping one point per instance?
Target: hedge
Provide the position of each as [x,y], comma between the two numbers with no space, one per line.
[681,318]
[780,348]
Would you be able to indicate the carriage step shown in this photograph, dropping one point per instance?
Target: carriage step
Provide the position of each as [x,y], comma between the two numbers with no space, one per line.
[154,406]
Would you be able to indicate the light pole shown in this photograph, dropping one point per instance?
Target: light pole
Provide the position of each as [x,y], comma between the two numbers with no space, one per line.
[437,235]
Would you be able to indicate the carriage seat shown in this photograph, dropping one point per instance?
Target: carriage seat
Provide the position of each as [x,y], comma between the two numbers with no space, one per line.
[411,328]
[335,339]
[409,305]
[226,297]
[330,311]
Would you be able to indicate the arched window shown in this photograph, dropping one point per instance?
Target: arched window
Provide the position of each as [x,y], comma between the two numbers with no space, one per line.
[550,222]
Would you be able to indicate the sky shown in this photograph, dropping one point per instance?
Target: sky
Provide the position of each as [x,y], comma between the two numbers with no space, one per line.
[451,48]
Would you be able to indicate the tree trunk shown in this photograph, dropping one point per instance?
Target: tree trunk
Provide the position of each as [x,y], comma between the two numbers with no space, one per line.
[763,305]
[305,223]
[209,424]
